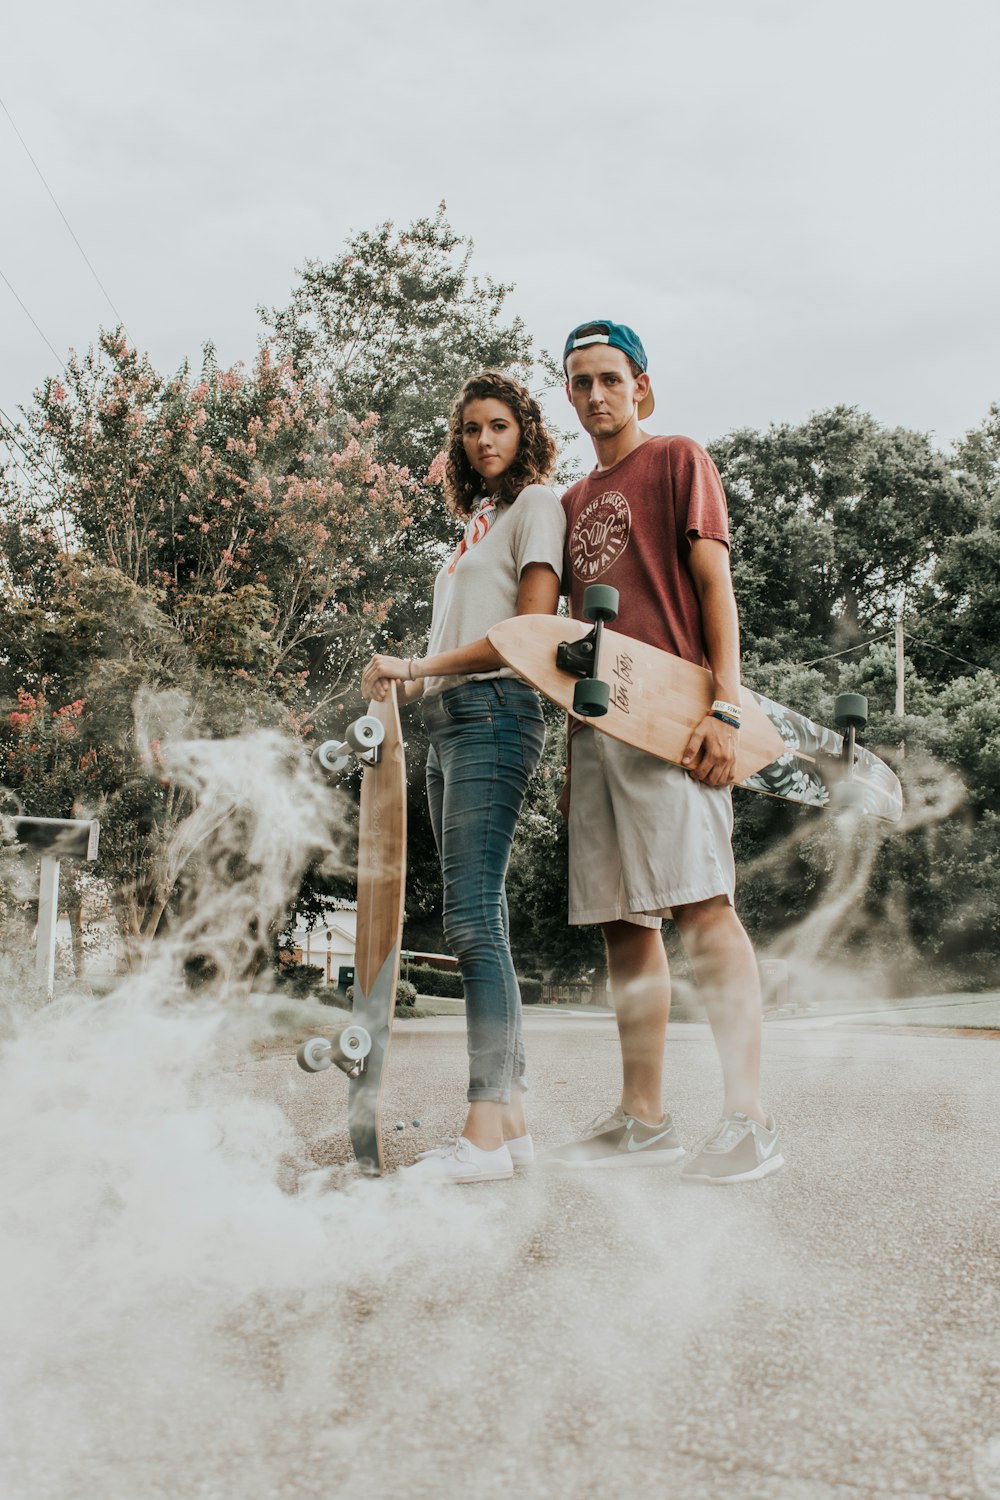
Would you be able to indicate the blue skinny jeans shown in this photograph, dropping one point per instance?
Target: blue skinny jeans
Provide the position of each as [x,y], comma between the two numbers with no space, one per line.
[486,739]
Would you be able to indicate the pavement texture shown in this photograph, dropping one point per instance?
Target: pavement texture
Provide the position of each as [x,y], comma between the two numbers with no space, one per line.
[831,1331]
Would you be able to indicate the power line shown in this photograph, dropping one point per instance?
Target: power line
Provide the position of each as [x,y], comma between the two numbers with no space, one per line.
[9,435]
[976,667]
[33,320]
[918,640]
[861,646]
[69,226]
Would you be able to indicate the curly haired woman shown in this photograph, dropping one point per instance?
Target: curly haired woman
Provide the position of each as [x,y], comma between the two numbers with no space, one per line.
[486,733]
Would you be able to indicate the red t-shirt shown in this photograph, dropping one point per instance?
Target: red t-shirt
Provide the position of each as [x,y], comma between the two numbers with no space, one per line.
[631,526]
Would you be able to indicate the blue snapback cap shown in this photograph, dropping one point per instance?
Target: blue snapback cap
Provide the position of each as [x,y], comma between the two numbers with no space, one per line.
[619,336]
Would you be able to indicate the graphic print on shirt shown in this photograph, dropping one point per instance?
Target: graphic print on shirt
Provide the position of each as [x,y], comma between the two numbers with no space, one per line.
[600,535]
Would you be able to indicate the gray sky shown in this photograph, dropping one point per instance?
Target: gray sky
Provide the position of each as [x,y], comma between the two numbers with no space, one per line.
[794,203]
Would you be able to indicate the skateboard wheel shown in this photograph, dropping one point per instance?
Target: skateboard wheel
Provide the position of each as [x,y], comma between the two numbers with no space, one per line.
[365,733]
[315,1055]
[850,711]
[332,757]
[348,1050]
[351,1045]
[590,698]
[600,602]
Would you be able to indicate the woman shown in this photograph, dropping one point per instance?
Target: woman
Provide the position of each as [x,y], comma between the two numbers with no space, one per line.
[486,732]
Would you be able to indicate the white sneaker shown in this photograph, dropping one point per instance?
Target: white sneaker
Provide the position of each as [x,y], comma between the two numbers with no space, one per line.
[522,1151]
[464,1162]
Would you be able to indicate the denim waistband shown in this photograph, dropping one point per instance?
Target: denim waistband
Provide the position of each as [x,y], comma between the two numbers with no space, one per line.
[506,689]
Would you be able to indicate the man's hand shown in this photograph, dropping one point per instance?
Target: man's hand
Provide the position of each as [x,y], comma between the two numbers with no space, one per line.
[710,753]
[380,671]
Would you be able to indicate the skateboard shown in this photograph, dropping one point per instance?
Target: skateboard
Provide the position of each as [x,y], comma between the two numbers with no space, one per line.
[362,1046]
[652,699]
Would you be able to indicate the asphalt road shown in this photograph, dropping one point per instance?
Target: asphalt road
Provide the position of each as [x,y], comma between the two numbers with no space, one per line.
[831,1331]
[222,1310]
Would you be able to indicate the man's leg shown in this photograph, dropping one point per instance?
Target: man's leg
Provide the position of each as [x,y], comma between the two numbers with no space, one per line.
[726,973]
[640,989]
[637,1134]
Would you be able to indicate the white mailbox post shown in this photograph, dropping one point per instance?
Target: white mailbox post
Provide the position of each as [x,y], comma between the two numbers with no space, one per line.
[54,839]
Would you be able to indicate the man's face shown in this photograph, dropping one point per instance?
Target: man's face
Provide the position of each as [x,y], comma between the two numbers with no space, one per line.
[602,389]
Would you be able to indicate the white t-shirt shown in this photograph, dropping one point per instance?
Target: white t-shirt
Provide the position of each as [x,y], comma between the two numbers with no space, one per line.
[481,589]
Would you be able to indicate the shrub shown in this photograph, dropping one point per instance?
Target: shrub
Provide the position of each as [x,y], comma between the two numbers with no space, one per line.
[446,983]
[300,979]
[406,995]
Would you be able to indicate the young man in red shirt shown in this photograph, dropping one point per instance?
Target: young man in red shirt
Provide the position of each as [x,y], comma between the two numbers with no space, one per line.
[648,839]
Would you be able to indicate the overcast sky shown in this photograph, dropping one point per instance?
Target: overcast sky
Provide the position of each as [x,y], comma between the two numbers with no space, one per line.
[794,203]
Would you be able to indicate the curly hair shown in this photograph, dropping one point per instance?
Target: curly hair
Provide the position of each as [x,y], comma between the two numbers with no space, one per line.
[536,454]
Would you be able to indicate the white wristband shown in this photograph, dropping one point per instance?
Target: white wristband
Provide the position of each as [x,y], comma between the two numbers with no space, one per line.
[731,710]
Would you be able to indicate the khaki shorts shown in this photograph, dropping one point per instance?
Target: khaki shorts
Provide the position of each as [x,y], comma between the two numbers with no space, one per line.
[644,836]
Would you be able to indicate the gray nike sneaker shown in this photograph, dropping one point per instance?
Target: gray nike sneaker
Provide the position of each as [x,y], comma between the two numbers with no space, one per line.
[738,1150]
[614,1139]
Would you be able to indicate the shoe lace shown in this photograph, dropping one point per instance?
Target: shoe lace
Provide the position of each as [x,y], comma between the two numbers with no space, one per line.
[730,1129]
[443,1148]
[606,1117]
[456,1147]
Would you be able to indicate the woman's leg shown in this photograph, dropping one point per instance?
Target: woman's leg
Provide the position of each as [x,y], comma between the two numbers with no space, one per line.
[485,753]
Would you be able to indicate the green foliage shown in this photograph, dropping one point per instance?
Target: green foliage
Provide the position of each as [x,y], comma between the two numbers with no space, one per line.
[299,980]
[834,522]
[406,995]
[445,983]
[233,542]
[394,325]
[542,942]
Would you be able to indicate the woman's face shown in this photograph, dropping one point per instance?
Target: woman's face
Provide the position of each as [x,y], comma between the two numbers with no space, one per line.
[491,436]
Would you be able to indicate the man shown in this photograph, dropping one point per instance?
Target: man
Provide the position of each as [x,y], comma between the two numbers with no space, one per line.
[647,839]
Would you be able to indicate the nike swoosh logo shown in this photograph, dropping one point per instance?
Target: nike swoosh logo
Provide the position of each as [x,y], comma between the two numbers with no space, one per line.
[634,1145]
[765,1151]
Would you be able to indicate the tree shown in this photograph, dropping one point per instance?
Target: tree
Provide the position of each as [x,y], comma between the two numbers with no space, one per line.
[962,624]
[394,325]
[834,523]
[232,541]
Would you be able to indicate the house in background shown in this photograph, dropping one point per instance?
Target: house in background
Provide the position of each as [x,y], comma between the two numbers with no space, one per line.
[329,946]
[328,943]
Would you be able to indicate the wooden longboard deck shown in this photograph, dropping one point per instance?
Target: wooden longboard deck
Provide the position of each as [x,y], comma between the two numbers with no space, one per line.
[381,889]
[656,699]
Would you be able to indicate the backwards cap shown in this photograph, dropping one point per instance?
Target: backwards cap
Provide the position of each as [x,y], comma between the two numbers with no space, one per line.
[619,336]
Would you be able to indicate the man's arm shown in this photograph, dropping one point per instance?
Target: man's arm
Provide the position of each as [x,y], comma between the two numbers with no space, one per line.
[710,755]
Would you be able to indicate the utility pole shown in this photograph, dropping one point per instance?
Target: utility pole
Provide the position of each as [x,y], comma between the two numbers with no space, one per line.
[900,669]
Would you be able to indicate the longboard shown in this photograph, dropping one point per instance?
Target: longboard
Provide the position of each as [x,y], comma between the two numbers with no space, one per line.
[655,699]
[362,1048]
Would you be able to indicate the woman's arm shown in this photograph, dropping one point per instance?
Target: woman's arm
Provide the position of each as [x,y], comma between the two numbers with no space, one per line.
[537,594]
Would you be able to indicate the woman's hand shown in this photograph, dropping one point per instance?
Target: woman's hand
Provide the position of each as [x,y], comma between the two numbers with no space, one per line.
[382,670]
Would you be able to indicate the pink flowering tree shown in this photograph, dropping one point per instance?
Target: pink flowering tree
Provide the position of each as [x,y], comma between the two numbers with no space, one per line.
[233,538]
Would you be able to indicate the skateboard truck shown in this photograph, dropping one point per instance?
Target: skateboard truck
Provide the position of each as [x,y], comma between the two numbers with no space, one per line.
[579,658]
[362,739]
[850,713]
[347,1051]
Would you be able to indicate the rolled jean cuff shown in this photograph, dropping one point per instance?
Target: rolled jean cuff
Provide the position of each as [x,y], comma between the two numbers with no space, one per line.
[488,1096]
